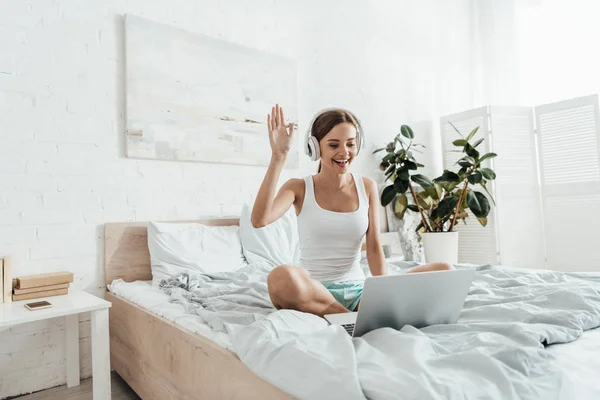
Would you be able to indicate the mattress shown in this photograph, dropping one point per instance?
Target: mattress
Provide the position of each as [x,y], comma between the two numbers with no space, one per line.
[154,300]
[580,358]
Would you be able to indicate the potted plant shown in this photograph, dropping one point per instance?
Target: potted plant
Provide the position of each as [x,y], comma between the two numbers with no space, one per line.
[440,202]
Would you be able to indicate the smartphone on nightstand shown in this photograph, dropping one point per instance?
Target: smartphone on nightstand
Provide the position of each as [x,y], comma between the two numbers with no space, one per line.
[38,305]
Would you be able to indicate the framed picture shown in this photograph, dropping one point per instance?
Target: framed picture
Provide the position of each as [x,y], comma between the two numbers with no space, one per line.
[196,98]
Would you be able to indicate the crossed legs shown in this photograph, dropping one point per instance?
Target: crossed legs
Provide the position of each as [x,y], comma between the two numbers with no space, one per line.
[293,288]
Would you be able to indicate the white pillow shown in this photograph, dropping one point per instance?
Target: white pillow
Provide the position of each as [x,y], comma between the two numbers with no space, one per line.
[272,245]
[193,247]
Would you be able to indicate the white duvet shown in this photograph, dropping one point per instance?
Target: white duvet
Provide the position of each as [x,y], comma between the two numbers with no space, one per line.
[495,351]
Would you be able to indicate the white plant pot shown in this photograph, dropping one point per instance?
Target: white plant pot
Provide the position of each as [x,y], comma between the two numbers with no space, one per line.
[440,247]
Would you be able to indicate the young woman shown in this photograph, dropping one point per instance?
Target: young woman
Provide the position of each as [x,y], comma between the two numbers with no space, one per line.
[335,210]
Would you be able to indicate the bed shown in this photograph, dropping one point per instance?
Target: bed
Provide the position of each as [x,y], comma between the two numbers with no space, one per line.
[157,358]
[161,359]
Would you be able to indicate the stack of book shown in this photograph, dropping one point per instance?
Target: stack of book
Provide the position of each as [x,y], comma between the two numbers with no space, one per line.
[42,285]
[5,279]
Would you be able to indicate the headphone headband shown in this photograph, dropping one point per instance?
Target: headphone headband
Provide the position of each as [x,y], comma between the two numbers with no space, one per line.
[311,147]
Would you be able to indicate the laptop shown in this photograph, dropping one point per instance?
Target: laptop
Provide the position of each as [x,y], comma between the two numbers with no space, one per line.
[418,299]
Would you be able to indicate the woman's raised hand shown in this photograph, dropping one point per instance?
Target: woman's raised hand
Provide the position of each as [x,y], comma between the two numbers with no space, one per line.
[280,135]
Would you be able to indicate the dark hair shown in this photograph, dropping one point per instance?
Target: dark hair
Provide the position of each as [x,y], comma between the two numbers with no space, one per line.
[328,120]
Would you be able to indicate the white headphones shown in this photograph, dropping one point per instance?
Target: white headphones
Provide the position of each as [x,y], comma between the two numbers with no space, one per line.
[311,147]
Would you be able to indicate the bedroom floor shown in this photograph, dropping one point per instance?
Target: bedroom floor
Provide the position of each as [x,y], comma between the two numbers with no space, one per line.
[119,390]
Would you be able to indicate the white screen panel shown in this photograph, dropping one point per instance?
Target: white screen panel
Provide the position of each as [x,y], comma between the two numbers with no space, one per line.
[520,231]
[571,233]
[569,145]
[570,175]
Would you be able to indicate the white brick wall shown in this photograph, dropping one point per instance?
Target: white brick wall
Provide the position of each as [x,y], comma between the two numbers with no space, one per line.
[62,167]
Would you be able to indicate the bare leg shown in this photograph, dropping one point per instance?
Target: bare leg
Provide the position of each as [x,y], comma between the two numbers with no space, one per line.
[437,266]
[292,288]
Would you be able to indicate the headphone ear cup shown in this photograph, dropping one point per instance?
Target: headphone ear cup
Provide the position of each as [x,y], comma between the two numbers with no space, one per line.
[313,148]
[359,139]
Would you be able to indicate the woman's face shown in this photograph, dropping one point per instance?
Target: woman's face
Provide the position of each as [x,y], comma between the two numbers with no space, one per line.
[338,148]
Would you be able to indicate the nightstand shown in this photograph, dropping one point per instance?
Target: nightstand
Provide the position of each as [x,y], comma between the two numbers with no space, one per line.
[70,306]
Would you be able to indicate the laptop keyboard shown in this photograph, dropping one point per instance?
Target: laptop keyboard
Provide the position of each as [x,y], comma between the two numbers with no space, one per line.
[349,328]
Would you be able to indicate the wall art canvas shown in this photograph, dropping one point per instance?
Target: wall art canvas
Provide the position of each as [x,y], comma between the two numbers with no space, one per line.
[192,97]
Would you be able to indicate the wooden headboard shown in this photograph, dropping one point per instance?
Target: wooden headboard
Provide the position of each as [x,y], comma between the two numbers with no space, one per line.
[126,253]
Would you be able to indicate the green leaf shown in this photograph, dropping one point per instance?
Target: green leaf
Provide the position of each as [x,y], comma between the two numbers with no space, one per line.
[421,180]
[466,162]
[388,194]
[487,191]
[424,202]
[413,207]
[391,169]
[465,203]
[473,132]
[426,184]
[439,190]
[459,142]
[403,173]
[449,186]
[388,157]
[401,154]
[475,178]
[488,173]
[447,206]
[407,132]
[477,143]
[486,156]
[482,221]
[433,192]
[423,194]
[447,176]
[410,164]
[457,131]
[470,150]
[400,206]
[478,203]
[378,150]
[401,185]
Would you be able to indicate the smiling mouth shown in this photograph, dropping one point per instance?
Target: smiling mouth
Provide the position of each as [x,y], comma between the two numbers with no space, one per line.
[341,163]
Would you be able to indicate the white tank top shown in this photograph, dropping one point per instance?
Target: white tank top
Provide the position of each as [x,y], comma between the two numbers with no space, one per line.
[330,241]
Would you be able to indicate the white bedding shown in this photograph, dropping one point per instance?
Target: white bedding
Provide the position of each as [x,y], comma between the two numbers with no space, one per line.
[157,302]
[287,347]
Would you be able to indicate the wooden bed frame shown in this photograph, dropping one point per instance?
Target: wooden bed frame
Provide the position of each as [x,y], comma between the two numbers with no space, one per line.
[157,358]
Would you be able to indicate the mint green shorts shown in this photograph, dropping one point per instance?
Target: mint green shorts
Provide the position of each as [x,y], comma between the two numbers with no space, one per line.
[346,293]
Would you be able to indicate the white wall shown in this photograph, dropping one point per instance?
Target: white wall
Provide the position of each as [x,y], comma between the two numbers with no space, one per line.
[557,50]
[62,167]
